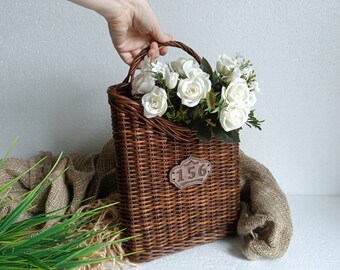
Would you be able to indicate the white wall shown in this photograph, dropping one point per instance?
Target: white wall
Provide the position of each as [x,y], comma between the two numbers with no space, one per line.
[56,62]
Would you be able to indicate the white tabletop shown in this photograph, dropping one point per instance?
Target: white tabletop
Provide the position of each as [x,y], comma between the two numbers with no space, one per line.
[315,244]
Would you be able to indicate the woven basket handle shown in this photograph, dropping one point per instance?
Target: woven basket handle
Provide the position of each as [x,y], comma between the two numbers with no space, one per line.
[177,44]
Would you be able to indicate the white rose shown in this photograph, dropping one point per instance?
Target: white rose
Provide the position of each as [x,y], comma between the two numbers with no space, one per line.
[252,100]
[236,74]
[153,65]
[142,83]
[237,91]
[225,63]
[255,87]
[183,65]
[158,67]
[171,78]
[155,102]
[233,117]
[145,64]
[197,72]
[192,90]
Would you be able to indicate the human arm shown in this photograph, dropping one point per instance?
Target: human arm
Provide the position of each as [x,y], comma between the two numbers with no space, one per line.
[132,25]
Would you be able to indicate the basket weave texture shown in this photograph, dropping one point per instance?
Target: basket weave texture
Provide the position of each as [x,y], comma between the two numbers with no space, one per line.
[168,218]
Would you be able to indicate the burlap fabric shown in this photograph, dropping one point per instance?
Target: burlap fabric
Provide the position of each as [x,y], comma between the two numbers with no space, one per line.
[264,225]
[84,176]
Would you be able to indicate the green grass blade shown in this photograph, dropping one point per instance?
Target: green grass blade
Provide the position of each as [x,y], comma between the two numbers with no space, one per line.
[41,219]
[23,246]
[15,267]
[16,179]
[78,263]
[58,228]
[84,251]
[14,215]
[17,198]
[3,160]
[35,261]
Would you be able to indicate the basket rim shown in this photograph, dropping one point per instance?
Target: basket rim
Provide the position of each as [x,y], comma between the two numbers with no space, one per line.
[128,105]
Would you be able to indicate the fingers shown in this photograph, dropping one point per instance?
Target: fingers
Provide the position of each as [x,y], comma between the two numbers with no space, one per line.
[158,35]
[156,51]
[129,56]
[163,50]
[153,53]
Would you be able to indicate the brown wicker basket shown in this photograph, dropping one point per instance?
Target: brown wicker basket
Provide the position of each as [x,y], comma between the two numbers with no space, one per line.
[168,217]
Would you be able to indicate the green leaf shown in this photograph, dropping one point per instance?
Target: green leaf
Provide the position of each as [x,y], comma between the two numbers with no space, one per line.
[193,112]
[253,122]
[228,137]
[205,66]
[170,114]
[197,124]
[203,132]
[216,83]
[160,80]
[210,122]
[211,101]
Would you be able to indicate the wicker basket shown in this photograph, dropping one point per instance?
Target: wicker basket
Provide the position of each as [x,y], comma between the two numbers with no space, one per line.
[169,217]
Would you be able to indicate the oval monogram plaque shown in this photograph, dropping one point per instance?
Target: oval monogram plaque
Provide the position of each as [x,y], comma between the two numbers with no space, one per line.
[191,171]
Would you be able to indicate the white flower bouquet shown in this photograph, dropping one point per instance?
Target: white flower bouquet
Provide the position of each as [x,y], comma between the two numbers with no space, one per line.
[213,103]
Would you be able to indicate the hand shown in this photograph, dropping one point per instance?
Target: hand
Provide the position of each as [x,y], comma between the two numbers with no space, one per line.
[133,26]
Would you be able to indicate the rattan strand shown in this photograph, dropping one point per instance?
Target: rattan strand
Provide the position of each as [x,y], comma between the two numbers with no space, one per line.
[177,44]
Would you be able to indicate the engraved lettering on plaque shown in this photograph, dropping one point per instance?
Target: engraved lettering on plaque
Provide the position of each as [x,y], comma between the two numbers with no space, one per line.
[191,171]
